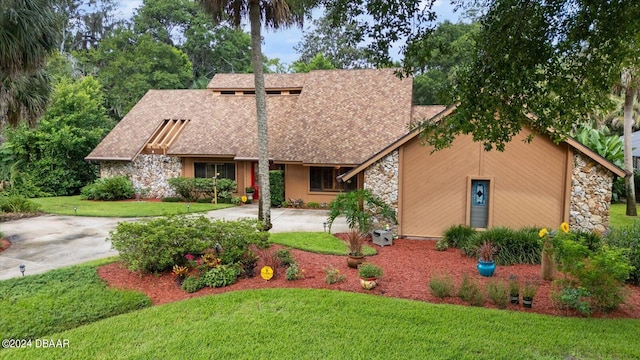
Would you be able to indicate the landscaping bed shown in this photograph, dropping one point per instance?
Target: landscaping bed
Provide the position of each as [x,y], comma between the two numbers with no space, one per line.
[408,265]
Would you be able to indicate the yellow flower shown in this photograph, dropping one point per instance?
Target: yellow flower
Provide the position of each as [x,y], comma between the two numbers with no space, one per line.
[564,227]
[543,232]
[244,199]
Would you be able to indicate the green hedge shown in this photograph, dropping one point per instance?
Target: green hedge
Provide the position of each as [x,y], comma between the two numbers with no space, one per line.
[110,188]
[194,189]
[276,184]
[158,244]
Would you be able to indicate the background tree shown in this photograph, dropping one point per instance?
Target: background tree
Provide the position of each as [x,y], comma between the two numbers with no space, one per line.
[340,44]
[445,51]
[271,14]
[28,34]
[49,159]
[128,65]
[318,62]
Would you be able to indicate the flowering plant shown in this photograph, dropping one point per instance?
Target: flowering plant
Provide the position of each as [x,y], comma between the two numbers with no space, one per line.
[551,238]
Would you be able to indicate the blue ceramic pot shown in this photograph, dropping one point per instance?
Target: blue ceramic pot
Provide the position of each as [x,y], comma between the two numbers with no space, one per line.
[486,268]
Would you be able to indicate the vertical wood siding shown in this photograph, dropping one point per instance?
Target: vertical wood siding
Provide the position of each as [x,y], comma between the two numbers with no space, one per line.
[528,184]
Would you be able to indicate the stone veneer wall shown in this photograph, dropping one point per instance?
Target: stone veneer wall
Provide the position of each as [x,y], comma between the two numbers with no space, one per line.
[150,172]
[590,195]
[381,178]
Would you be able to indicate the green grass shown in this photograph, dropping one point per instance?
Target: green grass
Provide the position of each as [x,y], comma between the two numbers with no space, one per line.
[317,242]
[618,216]
[38,305]
[64,205]
[325,324]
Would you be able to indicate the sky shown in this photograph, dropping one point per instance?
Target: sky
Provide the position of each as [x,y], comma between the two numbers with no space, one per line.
[280,44]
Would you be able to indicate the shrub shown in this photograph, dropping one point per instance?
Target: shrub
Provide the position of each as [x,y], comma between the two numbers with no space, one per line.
[235,200]
[17,204]
[360,207]
[458,236]
[276,184]
[293,272]
[193,189]
[442,245]
[248,262]
[156,245]
[498,292]
[171,199]
[601,273]
[269,258]
[627,237]
[332,275]
[566,296]
[514,246]
[220,276]
[192,284]
[468,289]
[369,271]
[207,200]
[285,258]
[226,187]
[109,189]
[313,205]
[441,286]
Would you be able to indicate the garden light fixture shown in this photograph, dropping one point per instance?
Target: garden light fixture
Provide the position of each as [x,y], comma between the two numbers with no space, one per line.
[22,268]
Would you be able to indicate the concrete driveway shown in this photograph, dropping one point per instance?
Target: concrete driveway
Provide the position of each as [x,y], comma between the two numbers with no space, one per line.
[47,242]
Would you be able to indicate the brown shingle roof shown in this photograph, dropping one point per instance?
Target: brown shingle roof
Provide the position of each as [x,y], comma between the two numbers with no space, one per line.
[340,117]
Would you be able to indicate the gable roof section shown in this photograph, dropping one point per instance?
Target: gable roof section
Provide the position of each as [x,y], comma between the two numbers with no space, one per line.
[340,117]
[131,134]
[419,114]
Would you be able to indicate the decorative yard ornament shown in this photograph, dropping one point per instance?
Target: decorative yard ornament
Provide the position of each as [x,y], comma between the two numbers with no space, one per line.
[266,272]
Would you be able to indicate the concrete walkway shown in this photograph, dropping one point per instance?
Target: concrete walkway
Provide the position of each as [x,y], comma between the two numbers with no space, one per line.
[47,242]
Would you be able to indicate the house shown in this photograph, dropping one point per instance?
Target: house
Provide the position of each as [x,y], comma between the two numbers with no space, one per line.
[531,183]
[338,130]
[321,124]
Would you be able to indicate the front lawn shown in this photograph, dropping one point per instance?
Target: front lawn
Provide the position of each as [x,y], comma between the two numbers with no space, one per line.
[316,242]
[324,324]
[618,216]
[64,205]
[39,305]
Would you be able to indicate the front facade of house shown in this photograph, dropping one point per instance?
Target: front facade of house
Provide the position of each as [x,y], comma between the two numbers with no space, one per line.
[321,125]
[529,184]
[339,130]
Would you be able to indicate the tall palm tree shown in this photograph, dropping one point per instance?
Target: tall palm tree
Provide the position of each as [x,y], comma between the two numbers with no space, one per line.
[274,14]
[630,84]
[29,32]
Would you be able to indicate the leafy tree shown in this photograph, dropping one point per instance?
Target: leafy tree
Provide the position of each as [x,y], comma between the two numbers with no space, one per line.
[211,48]
[28,34]
[446,50]
[84,22]
[128,65]
[51,156]
[340,44]
[274,14]
[318,62]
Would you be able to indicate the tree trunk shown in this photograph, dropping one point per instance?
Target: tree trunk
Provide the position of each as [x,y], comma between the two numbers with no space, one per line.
[629,95]
[264,206]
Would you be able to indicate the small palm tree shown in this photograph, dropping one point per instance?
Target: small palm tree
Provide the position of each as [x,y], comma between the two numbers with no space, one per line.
[275,14]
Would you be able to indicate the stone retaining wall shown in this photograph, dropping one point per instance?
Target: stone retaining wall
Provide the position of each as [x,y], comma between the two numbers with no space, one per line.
[590,195]
[148,172]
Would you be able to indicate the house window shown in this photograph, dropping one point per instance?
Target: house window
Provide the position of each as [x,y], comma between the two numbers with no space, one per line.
[324,179]
[208,170]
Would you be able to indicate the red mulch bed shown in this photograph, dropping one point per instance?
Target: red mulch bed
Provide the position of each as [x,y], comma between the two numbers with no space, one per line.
[408,265]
